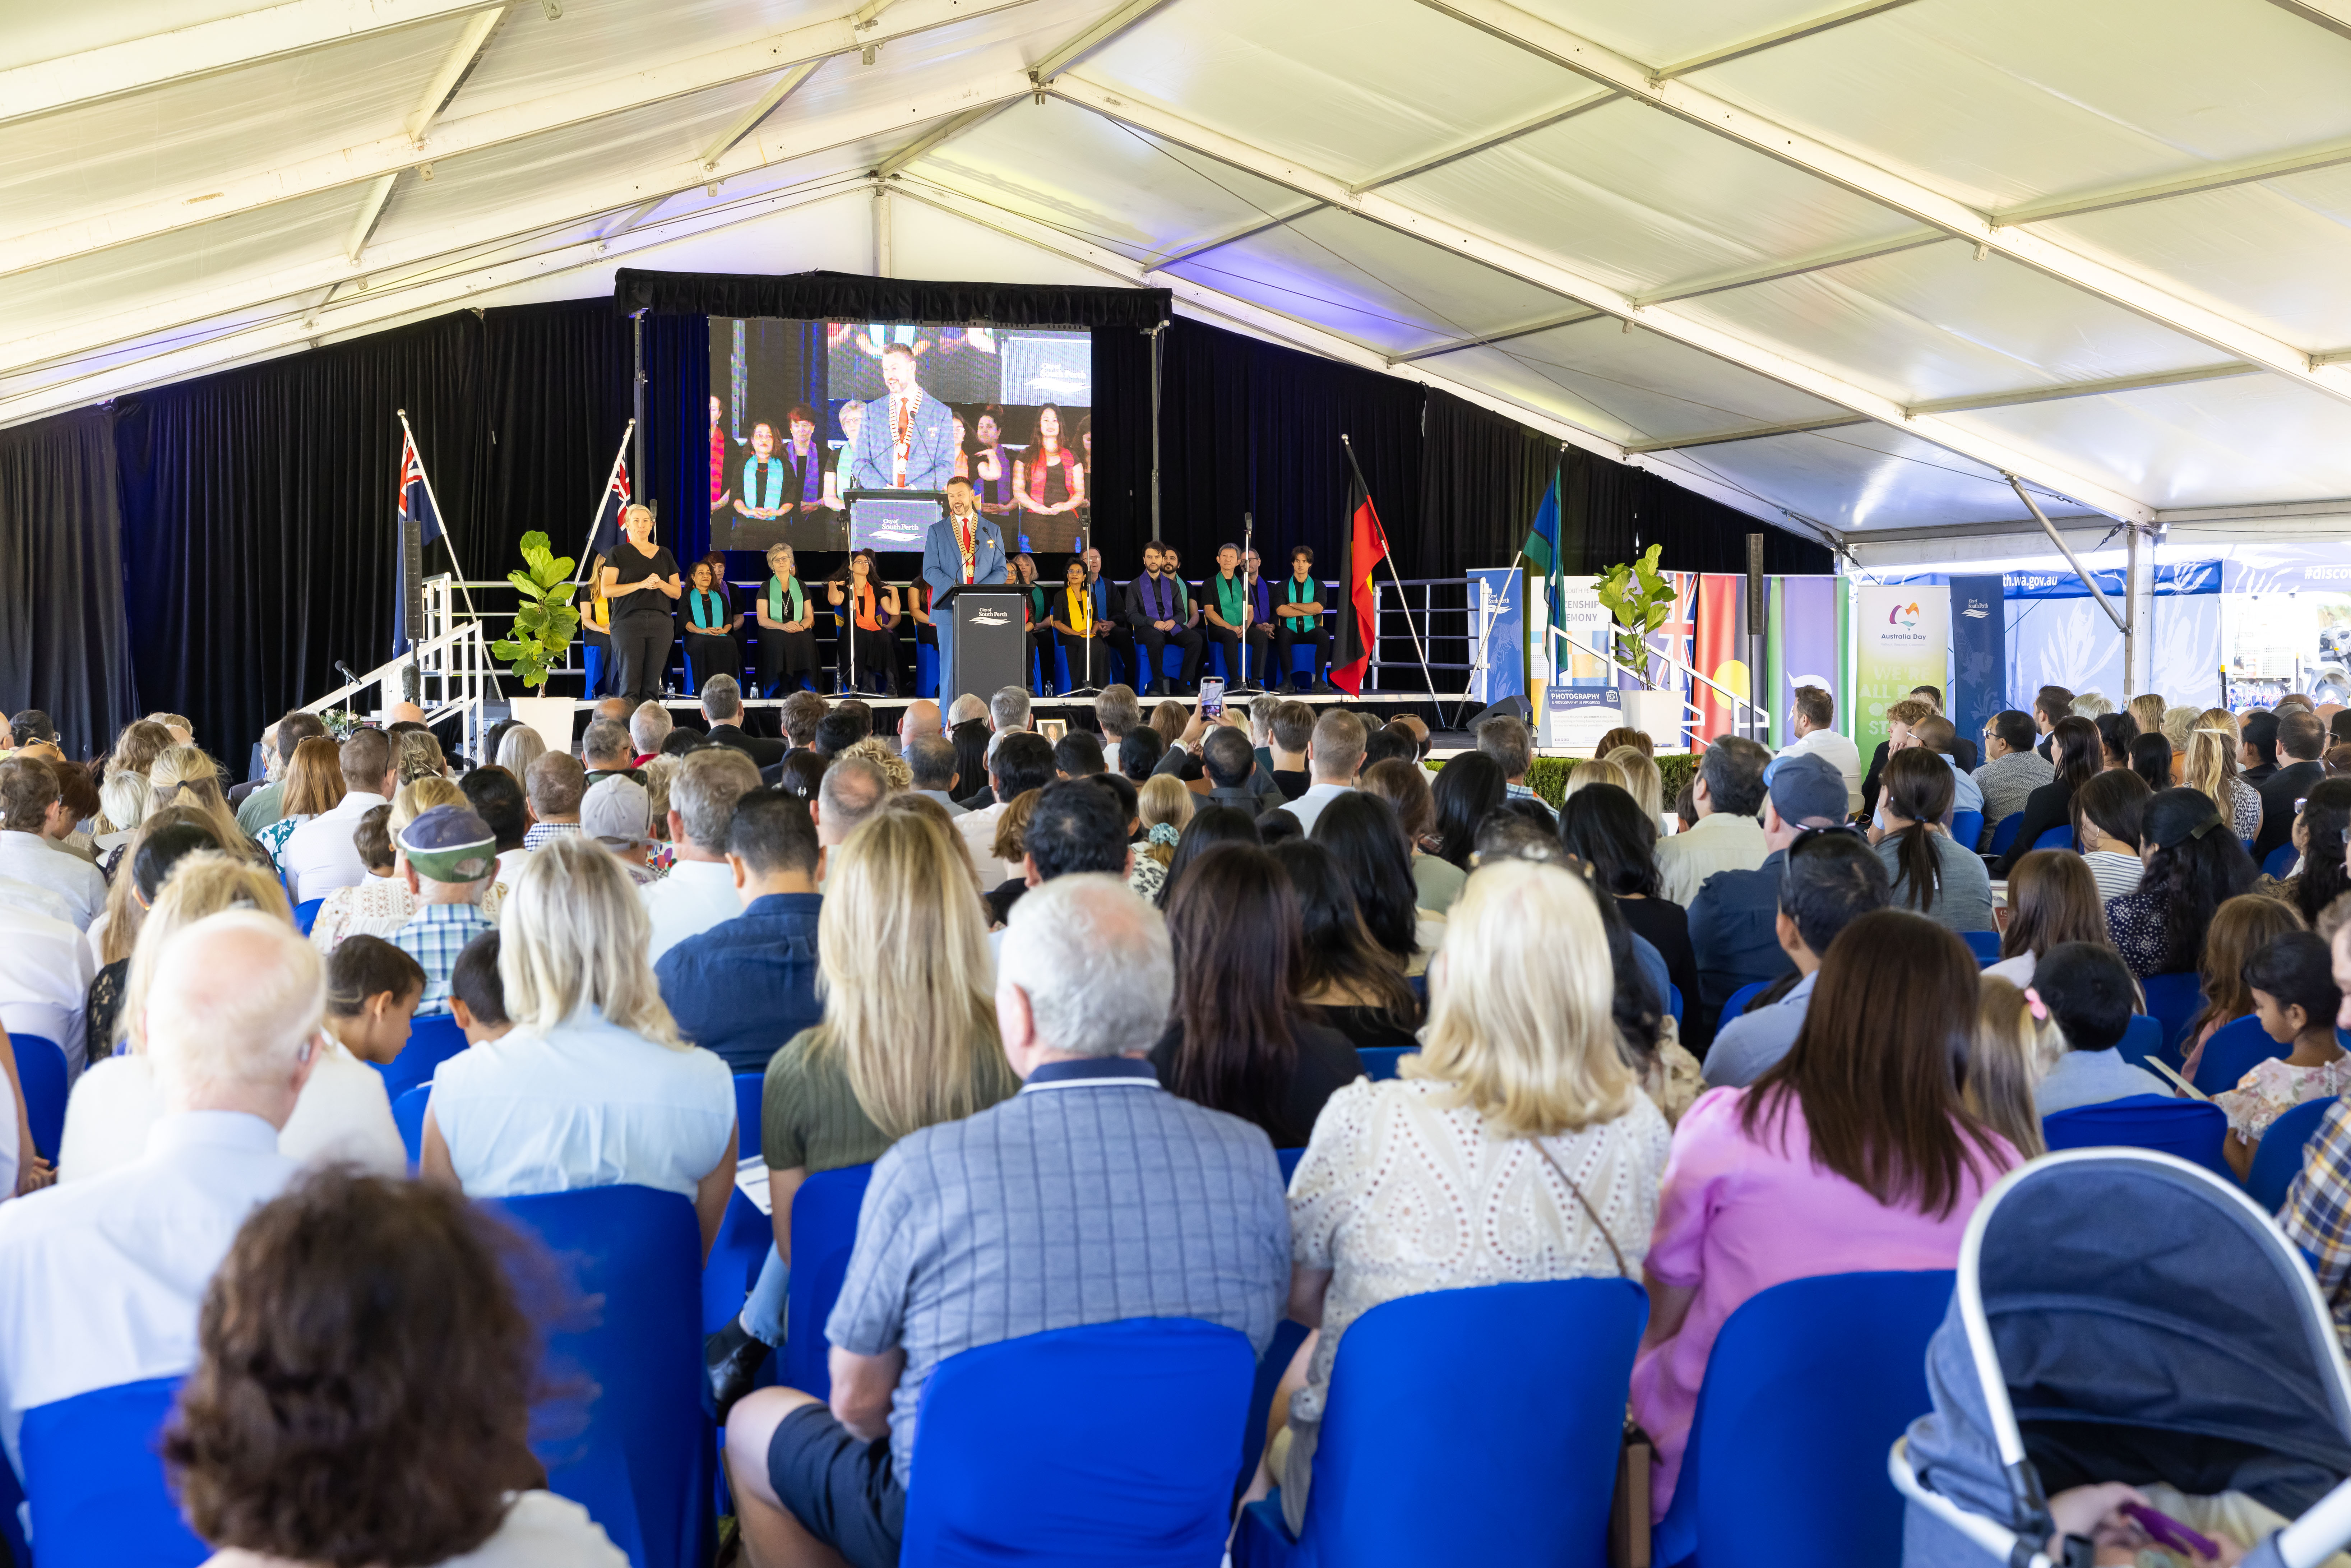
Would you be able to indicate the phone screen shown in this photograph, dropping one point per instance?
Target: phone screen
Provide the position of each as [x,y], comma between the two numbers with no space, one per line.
[1212,696]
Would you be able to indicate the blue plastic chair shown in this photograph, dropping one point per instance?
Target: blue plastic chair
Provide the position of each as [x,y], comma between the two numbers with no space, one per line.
[2235,1049]
[824,1232]
[1984,944]
[642,1457]
[1809,1384]
[2173,1000]
[1745,994]
[408,1115]
[2277,1158]
[1380,1061]
[2003,833]
[1106,1442]
[1289,1158]
[748,1093]
[1674,1003]
[2142,1042]
[736,1254]
[306,915]
[2055,839]
[432,1040]
[1967,830]
[2192,1129]
[95,1479]
[1425,1457]
[926,670]
[2280,860]
[41,1072]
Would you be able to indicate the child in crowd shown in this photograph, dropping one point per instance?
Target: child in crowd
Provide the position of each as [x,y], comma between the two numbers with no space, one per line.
[2292,980]
[477,997]
[2016,1043]
[2087,990]
[373,989]
[2241,928]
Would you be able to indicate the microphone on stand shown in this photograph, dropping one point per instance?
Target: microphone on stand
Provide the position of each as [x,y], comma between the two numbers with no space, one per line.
[346,672]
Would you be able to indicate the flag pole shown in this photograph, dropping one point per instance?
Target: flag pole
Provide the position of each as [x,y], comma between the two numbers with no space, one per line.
[595,519]
[1390,560]
[448,542]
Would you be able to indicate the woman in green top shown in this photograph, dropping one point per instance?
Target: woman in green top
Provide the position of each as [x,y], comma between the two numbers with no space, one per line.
[1231,617]
[908,1039]
[786,624]
[1021,573]
[710,622]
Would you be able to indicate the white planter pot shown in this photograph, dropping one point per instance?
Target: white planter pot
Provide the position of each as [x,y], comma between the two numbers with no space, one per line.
[1658,715]
[551,716]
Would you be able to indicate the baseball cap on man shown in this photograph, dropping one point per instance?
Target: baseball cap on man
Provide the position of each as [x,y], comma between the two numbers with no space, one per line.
[1806,791]
[450,843]
[617,811]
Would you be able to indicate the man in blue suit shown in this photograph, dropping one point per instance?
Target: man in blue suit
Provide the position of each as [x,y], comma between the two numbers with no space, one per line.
[961,547]
[907,439]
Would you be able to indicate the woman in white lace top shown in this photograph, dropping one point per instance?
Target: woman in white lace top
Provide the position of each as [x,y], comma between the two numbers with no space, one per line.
[1517,1146]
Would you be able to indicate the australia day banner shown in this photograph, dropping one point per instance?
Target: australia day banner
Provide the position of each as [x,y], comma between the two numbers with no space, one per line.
[1903,639]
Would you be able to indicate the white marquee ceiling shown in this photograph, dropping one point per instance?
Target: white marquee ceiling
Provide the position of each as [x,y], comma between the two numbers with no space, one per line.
[1894,249]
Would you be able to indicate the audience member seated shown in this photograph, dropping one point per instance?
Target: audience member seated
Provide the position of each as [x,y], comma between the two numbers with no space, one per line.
[518,748]
[1508,742]
[1467,789]
[2194,864]
[2087,993]
[186,777]
[1734,926]
[2292,980]
[2076,753]
[1023,761]
[593,1086]
[2051,899]
[319,856]
[267,804]
[907,1038]
[446,856]
[649,727]
[163,841]
[1812,712]
[1727,792]
[1231,768]
[313,785]
[699,891]
[1077,825]
[1601,826]
[1140,752]
[1361,832]
[1288,732]
[2109,816]
[1078,755]
[1510,834]
[1827,880]
[1855,1152]
[1599,770]
[33,816]
[362,1388]
[2209,762]
[1930,873]
[800,773]
[1210,825]
[1009,850]
[554,787]
[2012,769]
[2318,837]
[477,999]
[1646,1032]
[1392,741]
[1333,757]
[1164,808]
[2014,1046]
[378,906]
[1404,784]
[2316,1216]
[372,990]
[932,771]
[230,1018]
[1239,1040]
[1083,990]
[2301,741]
[722,705]
[1350,981]
[2241,928]
[746,984]
[1935,736]
[1517,1146]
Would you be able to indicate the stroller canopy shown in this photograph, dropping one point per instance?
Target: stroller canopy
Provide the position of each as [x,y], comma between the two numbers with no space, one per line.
[2121,1315]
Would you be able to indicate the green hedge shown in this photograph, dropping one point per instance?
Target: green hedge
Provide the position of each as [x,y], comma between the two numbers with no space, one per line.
[1548,776]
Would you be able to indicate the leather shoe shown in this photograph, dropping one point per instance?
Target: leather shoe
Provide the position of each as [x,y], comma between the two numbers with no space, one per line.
[731,1359]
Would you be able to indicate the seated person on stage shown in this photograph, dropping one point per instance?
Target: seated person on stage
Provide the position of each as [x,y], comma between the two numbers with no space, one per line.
[1230,617]
[870,651]
[786,617]
[230,1021]
[746,984]
[700,890]
[1299,618]
[710,622]
[1021,573]
[1160,611]
[1825,883]
[1082,994]
[1109,613]
[1085,637]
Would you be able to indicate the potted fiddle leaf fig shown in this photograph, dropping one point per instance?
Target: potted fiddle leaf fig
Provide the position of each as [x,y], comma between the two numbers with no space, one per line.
[544,625]
[1641,600]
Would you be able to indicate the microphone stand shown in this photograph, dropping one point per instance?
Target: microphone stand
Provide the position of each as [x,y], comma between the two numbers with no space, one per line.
[1091,637]
[1249,601]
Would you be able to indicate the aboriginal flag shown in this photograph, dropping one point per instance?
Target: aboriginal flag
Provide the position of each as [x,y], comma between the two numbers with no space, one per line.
[1367,546]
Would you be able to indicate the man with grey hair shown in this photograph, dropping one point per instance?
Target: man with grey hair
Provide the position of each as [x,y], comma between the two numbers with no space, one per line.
[1008,710]
[699,891]
[957,1210]
[616,709]
[852,790]
[231,1024]
[966,708]
[1117,710]
[721,704]
[1333,757]
[604,752]
[648,727]
[931,761]
[1729,792]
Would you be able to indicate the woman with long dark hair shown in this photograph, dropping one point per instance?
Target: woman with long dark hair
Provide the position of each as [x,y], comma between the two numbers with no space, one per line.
[2150,759]
[2118,733]
[1355,983]
[1855,1152]
[1469,785]
[1240,1042]
[1048,486]
[991,468]
[2194,864]
[2319,831]
[1209,826]
[1402,783]
[2109,814]
[1604,827]
[869,644]
[1371,850]
[1930,873]
[2077,752]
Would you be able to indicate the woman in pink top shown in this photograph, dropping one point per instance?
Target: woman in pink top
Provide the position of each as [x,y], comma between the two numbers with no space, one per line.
[1856,1152]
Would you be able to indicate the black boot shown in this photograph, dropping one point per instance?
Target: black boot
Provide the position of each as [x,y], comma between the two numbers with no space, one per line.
[731,1360]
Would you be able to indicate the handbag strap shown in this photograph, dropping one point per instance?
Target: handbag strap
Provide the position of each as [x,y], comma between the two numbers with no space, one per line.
[1598,1224]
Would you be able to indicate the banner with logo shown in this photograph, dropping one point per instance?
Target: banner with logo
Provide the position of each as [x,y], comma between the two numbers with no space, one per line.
[1576,716]
[1495,616]
[1903,639]
[1979,654]
[1582,617]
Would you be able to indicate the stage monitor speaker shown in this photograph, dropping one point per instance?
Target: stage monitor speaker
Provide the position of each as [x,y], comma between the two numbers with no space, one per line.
[1512,706]
[1759,591]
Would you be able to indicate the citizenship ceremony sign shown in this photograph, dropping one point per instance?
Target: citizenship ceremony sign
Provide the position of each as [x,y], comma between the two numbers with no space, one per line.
[1904,638]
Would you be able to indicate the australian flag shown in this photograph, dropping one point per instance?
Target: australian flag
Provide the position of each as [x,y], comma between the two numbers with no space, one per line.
[419,525]
[608,512]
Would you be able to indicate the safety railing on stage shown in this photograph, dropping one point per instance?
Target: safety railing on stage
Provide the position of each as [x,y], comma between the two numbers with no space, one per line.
[456,675]
[1748,717]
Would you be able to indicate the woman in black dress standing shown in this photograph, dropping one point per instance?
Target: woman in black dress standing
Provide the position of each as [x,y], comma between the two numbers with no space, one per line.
[640,580]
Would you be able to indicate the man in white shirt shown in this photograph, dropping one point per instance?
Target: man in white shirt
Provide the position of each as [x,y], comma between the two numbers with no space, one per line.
[231,1025]
[1022,761]
[699,891]
[1813,715]
[33,818]
[320,855]
[1334,755]
[46,968]
[1729,792]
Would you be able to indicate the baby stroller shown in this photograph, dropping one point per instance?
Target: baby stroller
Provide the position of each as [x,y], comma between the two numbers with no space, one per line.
[2125,1316]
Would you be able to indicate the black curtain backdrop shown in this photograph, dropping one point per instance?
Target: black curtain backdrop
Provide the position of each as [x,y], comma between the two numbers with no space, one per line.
[63,644]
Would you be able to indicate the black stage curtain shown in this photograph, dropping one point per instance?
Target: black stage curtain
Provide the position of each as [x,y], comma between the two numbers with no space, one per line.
[63,645]
[852,296]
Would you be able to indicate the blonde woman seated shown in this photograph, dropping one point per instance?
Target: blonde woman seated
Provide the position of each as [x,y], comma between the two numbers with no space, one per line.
[1642,781]
[593,1086]
[342,1114]
[381,904]
[1165,806]
[186,777]
[1517,1118]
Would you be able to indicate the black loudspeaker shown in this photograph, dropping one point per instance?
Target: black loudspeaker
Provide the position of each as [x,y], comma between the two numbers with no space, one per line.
[1512,706]
[1758,592]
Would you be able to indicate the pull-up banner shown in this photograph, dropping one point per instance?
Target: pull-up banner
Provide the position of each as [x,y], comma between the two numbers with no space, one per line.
[1979,654]
[1905,637]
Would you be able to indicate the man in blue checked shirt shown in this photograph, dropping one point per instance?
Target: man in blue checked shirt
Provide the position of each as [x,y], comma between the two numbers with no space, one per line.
[448,856]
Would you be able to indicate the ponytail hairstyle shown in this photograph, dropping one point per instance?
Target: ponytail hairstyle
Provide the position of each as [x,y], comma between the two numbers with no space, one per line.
[1918,786]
